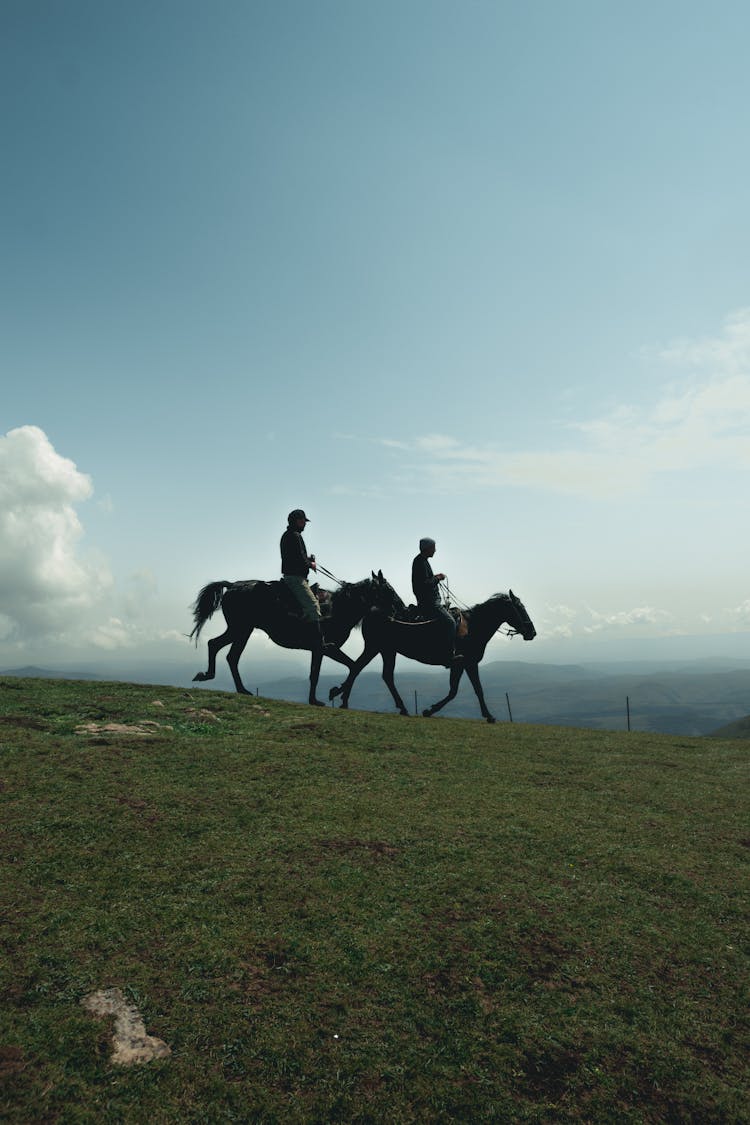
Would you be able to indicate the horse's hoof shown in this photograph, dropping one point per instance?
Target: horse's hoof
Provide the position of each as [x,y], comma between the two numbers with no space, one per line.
[404,712]
[427,713]
[491,719]
[333,693]
[316,703]
[200,676]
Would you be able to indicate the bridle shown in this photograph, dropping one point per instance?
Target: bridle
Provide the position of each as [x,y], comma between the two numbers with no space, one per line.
[449,596]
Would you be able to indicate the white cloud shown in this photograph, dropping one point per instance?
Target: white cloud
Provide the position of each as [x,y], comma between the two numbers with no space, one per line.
[739,616]
[642,616]
[44,584]
[559,622]
[729,352]
[111,634]
[51,593]
[701,422]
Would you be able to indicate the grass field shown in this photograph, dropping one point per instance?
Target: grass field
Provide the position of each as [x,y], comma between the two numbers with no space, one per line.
[342,916]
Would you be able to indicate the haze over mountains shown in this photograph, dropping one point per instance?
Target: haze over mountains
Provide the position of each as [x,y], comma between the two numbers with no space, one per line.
[689,697]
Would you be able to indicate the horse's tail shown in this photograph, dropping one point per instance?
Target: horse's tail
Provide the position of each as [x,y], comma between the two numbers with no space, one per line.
[206,604]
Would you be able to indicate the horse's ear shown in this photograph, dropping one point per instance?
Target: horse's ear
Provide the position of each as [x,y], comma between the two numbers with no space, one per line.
[380,575]
[372,572]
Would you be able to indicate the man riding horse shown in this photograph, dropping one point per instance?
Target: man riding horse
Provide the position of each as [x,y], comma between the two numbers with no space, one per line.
[296,564]
[425,586]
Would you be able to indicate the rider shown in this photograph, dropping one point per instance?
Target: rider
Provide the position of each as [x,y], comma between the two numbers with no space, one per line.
[295,567]
[425,586]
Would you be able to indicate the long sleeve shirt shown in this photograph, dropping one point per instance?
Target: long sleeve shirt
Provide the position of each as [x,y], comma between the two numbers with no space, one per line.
[423,582]
[294,557]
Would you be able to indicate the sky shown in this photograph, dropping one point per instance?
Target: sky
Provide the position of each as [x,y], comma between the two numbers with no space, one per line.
[469,270]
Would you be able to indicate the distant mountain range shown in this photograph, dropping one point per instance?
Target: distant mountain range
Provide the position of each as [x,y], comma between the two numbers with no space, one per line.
[695,697]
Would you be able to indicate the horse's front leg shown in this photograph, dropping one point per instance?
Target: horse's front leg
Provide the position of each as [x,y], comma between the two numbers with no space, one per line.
[233,660]
[340,657]
[457,672]
[472,671]
[344,690]
[389,664]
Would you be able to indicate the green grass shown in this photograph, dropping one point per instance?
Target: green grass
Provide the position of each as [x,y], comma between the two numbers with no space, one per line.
[342,916]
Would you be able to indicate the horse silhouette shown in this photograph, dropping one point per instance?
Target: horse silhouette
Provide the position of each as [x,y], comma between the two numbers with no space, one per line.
[425,642]
[266,605]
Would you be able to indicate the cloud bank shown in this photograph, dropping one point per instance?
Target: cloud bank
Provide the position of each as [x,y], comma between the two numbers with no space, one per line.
[45,586]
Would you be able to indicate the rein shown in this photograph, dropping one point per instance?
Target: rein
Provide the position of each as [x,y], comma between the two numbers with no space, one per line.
[327,574]
[449,597]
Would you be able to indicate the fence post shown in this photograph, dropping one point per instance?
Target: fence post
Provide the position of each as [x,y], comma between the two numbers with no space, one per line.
[627,705]
[416,707]
[510,713]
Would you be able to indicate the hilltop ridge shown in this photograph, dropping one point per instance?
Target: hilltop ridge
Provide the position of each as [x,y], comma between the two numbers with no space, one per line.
[688,697]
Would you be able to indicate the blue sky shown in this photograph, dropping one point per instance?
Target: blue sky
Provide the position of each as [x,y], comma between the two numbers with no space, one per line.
[471,270]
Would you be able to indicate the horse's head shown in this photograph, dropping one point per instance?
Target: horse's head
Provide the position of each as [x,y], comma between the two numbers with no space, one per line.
[518,618]
[354,599]
[385,598]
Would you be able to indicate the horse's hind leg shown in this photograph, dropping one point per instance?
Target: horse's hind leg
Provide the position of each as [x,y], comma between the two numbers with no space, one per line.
[214,647]
[233,660]
[455,679]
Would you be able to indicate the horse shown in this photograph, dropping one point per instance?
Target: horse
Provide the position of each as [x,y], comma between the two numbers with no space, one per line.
[265,605]
[424,642]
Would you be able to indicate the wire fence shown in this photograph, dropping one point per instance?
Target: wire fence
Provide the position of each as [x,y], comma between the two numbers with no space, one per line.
[510,710]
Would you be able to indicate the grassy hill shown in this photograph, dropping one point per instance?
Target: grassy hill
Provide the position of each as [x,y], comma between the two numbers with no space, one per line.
[740,728]
[345,916]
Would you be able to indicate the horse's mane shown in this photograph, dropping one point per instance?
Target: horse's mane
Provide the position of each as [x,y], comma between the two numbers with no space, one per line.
[476,612]
[346,589]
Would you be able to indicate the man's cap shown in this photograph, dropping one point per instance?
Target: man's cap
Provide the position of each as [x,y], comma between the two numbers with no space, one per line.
[426,543]
[297,514]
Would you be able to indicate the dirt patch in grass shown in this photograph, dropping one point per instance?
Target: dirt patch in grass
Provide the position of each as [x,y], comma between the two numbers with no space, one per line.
[201,714]
[131,1043]
[146,728]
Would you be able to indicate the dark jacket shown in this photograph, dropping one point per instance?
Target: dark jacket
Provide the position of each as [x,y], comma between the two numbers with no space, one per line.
[294,557]
[423,583]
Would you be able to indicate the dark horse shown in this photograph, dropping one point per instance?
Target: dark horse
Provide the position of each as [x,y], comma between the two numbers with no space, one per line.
[264,605]
[424,641]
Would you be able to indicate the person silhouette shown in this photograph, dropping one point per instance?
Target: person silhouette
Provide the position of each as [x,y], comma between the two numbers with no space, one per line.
[296,564]
[424,583]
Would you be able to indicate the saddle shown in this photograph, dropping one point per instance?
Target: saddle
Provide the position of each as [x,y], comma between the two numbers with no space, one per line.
[413,615]
[289,604]
[325,599]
